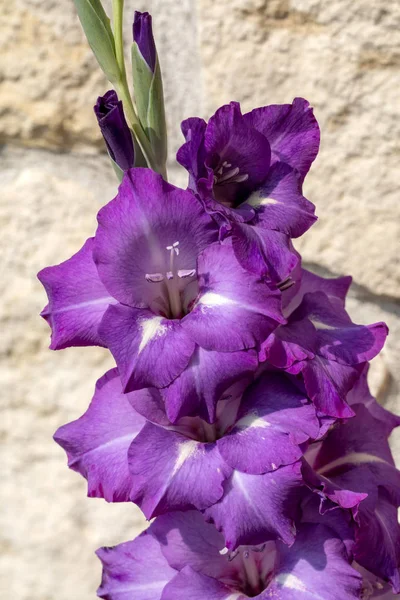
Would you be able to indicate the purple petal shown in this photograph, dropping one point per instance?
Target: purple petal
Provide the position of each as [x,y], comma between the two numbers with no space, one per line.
[289,345]
[134,235]
[135,569]
[273,420]
[365,460]
[138,340]
[332,494]
[114,128]
[234,146]
[339,338]
[360,394]
[309,282]
[186,539]
[97,444]
[235,310]
[192,154]
[208,376]
[280,204]
[151,406]
[341,521]
[257,508]
[269,254]
[316,566]
[77,300]
[327,383]
[143,36]
[292,131]
[172,472]
[196,586]
[378,539]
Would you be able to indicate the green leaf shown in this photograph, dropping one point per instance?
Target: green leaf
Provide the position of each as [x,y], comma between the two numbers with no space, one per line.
[101,13]
[157,128]
[99,36]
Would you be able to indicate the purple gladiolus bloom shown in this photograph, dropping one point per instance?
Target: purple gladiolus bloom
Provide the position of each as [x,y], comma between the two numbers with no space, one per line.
[188,560]
[155,285]
[115,130]
[354,467]
[248,170]
[322,342]
[243,470]
[143,36]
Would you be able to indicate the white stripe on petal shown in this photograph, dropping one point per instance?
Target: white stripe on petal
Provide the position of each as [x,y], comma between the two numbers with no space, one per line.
[105,300]
[287,580]
[213,299]
[257,200]
[151,328]
[252,420]
[319,325]
[186,450]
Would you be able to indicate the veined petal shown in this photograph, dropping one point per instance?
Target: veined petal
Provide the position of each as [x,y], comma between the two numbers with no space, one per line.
[235,310]
[292,131]
[336,287]
[77,300]
[127,573]
[378,539]
[172,472]
[187,540]
[274,419]
[339,338]
[269,254]
[196,586]
[97,443]
[258,508]
[192,154]
[327,383]
[209,374]
[279,203]
[316,567]
[138,340]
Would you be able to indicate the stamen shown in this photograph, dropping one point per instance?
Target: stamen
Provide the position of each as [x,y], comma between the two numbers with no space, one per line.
[229,175]
[183,273]
[233,555]
[171,281]
[154,277]
[241,178]
[285,284]
[253,575]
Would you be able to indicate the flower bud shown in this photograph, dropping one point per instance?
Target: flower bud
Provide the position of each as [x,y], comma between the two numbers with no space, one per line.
[148,88]
[115,130]
[143,36]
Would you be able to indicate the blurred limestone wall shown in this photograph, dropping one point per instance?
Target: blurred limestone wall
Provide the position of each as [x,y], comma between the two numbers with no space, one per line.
[343,56]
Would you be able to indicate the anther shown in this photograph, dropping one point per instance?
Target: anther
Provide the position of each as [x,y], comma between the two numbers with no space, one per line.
[285,284]
[154,277]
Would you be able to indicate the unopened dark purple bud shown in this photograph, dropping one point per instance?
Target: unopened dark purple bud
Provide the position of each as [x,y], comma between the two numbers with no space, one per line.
[143,36]
[115,130]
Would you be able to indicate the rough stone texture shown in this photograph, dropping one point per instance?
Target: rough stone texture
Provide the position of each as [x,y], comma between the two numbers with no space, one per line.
[49,79]
[341,56]
[344,58]
[49,529]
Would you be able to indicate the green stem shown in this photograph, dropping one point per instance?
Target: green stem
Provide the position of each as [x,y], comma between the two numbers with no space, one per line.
[123,88]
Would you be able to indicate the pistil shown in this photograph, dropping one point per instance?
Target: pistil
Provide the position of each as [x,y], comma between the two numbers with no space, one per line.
[210,431]
[252,572]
